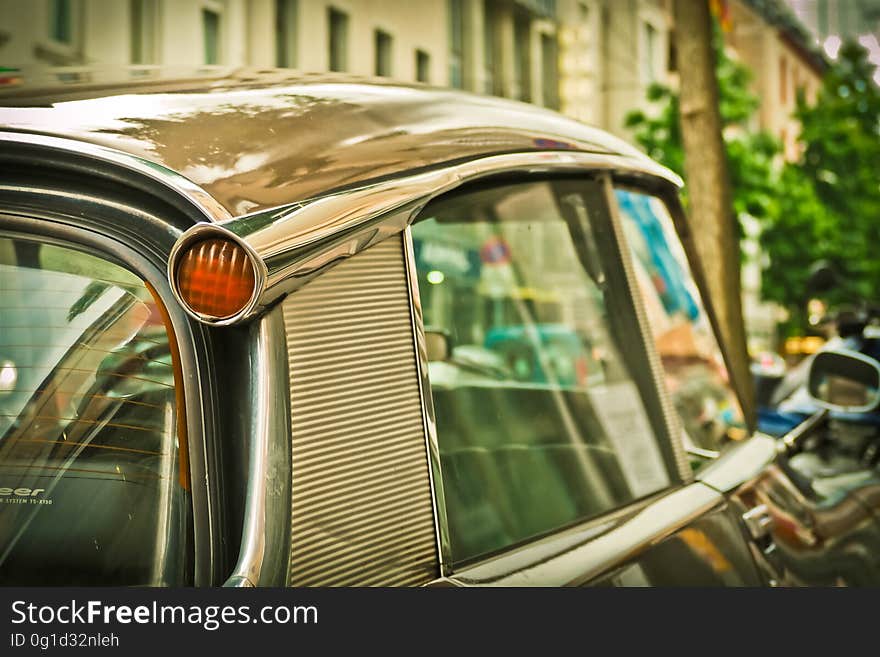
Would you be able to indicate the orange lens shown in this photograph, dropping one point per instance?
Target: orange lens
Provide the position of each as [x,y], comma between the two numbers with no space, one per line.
[215,277]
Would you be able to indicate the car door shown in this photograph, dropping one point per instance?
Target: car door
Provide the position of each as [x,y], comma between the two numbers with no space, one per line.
[557,466]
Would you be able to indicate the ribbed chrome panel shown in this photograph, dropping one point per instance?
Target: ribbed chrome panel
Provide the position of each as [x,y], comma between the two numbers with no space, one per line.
[361,497]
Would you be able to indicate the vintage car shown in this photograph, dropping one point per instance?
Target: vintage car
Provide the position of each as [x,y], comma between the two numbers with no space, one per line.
[256,330]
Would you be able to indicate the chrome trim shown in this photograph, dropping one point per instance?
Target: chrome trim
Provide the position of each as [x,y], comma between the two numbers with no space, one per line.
[710,454]
[196,234]
[791,441]
[670,418]
[184,187]
[297,242]
[432,445]
[759,521]
[740,463]
[591,550]
[262,552]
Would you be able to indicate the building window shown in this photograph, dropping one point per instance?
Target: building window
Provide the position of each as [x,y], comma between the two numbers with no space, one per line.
[61,21]
[649,54]
[285,33]
[550,70]
[144,15]
[783,80]
[456,43]
[423,66]
[338,44]
[491,47]
[522,57]
[211,30]
[383,43]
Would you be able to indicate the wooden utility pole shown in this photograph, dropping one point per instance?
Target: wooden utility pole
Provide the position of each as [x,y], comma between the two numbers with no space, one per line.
[711,199]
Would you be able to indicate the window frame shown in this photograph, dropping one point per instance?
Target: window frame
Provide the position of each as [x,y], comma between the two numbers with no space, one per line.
[657,405]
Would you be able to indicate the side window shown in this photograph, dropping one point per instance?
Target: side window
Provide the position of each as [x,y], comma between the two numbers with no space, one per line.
[93,479]
[696,376]
[540,421]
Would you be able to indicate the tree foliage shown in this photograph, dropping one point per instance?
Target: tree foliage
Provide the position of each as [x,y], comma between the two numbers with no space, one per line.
[841,135]
[825,207]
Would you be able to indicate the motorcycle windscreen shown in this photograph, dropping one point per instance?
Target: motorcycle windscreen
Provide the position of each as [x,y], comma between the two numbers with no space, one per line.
[91,486]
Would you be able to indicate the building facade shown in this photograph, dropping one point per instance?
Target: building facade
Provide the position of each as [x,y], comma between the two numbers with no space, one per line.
[765,37]
[591,59]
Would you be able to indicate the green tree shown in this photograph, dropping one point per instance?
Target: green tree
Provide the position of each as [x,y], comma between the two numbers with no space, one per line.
[796,232]
[841,136]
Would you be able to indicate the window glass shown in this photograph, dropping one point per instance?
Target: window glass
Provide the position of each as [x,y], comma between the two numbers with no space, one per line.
[338,43]
[285,33]
[456,43]
[423,66]
[696,376]
[540,422]
[211,29]
[92,477]
[383,43]
[143,31]
[60,17]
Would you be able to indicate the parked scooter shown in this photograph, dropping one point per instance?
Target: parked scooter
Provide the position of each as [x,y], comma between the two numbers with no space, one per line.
[782,394]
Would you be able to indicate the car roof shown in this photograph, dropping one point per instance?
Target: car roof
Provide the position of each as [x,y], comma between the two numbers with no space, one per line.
[258,139]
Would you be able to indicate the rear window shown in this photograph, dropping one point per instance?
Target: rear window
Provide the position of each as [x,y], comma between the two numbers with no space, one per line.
[93,479]
[541,419]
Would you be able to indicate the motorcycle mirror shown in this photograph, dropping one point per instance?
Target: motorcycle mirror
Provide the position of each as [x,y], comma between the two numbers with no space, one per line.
[844,380]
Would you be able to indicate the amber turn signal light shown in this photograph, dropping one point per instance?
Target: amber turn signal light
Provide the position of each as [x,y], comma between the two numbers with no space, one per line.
[216,278]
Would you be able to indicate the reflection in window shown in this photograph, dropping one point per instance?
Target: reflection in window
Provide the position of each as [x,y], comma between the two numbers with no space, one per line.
[92,483]
[540,424]
[692,361]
